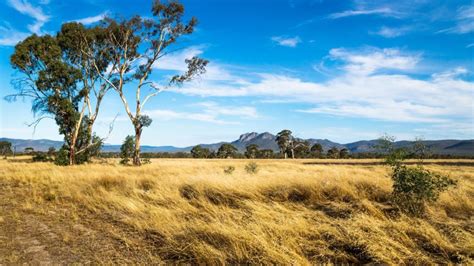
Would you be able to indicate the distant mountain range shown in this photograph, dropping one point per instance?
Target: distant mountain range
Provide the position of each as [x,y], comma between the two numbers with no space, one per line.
[267,141]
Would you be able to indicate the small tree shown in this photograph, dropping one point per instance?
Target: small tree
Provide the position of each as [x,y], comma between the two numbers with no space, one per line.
[413,187]
[200,152]
[333,153]
[51,152]
[265,154]
[317,150]
[301,149]
[420,150]
[226,150]
[127,149]
[5,148]
[343,153]
[251,151]
[29,150]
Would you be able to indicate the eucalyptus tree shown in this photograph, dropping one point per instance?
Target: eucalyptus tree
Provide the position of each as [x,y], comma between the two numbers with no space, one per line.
[135,46]
[343,153]
[251,151]
[301,149]
[5,148]
[58,76]
[333,153]
[317,150]
[199,152]
[226,150]
[284,140]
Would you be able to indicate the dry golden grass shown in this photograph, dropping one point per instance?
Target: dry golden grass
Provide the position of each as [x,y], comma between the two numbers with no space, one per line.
[185,210]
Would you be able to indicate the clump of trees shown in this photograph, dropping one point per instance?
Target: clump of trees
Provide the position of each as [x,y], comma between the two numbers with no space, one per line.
[415,186]
[67,75]
[200,152]
[227,150]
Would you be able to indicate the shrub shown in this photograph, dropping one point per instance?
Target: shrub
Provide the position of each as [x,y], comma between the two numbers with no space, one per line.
[229,169]
[62,158]
[251,168]
[41,157]
[415,186]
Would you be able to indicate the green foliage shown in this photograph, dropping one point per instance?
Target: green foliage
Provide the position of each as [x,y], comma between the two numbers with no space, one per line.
[265,154]
[251,151]
[229,170]
[226,150]
[200,152]
[62,157]
[251,168]
[333,153]
[301,149]
[415,186]
[42,157]
[317,150]
[5,148]
[127,149]
[393,156]
[344,153]
[284,140]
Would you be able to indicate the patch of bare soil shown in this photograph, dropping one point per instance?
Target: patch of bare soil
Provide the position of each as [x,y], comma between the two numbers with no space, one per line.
[52,236]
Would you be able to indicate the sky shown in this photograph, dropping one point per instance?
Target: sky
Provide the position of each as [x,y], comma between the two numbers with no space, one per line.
[340,70]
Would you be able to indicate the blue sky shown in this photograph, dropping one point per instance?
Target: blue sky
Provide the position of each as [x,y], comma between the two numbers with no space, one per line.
[342,70]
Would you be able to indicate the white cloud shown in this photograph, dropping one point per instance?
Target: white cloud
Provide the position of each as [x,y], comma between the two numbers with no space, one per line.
[175,61]
[24,7]
[464,21]
[389,32]
[211,113]
[363,89]
[379,11]
[287,41]
[93,19]
[368,62]
[11,36]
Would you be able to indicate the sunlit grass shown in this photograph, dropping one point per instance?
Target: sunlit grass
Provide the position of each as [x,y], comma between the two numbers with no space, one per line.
[288,212]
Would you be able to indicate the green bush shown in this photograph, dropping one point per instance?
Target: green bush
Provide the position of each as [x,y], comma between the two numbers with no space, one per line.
[62,158]
[251,168]
[413,187]
[229,169]
[41,157]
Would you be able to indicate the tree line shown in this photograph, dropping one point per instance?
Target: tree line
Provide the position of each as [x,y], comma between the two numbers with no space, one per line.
[68,75]
[290,147]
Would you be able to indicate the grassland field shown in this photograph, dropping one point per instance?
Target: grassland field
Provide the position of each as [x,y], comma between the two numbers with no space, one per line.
[190,211]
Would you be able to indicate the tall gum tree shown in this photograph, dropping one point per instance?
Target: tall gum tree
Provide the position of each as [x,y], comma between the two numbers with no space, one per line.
[135,45]
[61,81]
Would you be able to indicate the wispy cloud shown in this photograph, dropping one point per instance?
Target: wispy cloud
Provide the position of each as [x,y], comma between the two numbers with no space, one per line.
[93,19]
[374,83]
[366,62]
[464,21]
[287,41]
[211,112]
[11,36]
[392,32]
[388,12]
[26,8]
